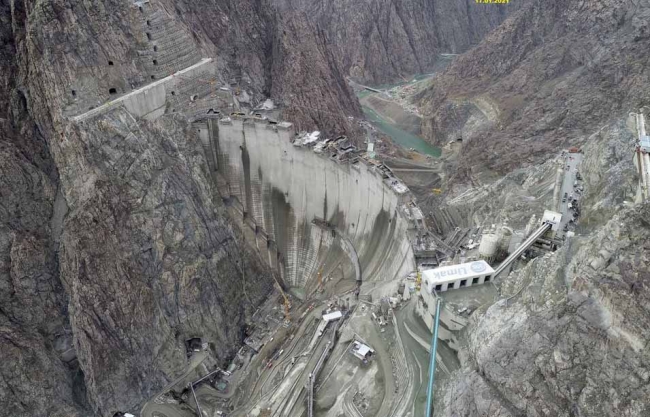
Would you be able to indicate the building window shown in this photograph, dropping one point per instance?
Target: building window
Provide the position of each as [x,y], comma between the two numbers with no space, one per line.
[155,62]
[110,63]
[439,287]
[155,48]
[112,91]
[148,35]
[74,93]
[487,278]
[463,283]
[475,280]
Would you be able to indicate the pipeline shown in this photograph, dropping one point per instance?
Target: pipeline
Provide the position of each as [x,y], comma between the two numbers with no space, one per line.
[432,359]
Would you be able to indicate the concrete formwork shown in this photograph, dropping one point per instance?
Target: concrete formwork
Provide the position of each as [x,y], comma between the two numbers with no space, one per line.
[284,187]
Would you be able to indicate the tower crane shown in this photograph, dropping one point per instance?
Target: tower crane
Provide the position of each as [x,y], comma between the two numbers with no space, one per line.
[211,81]
[286,303]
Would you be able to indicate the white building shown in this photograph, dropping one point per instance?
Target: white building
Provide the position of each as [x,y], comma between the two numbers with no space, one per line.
[456,276]
[553,218]
[361,351]
[334,315]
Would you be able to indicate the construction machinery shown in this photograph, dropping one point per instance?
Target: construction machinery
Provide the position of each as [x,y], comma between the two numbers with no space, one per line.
[437,191]
[320,281]
[286,303]
[212,82]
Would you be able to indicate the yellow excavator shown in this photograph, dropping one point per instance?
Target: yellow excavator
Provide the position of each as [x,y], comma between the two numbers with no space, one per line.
[437,191]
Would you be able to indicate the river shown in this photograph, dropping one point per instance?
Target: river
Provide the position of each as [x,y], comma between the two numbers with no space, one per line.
[399,136]
[404,139]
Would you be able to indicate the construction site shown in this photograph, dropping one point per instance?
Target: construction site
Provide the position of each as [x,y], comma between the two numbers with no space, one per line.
[361,281]
[369,302]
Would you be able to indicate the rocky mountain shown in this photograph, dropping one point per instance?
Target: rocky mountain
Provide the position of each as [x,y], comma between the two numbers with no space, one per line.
[283,56]
[551,75]
[571,339]
[381,41]
[568,336]
[115,246]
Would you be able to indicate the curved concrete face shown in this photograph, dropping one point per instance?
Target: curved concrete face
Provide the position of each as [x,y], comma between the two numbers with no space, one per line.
[283,188]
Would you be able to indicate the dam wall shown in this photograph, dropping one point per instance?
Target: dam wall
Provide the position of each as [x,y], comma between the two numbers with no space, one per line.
[285,188]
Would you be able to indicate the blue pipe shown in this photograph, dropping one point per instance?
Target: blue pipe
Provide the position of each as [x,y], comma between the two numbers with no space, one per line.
[432,358]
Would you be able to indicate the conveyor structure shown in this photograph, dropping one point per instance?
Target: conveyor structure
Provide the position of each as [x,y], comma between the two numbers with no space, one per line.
[523,247]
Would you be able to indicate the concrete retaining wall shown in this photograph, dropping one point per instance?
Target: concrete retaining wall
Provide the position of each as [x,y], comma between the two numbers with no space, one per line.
[150,102]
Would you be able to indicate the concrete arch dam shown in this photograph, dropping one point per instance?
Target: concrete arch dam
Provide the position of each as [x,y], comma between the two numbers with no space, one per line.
[288,192]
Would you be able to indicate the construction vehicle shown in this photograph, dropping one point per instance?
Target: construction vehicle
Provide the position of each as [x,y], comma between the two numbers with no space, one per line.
[320,281]
[437,191]
[418,280]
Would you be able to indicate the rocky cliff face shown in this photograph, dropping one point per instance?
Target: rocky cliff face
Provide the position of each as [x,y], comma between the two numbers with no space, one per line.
[33,311]
[282,55]
[379,41]
[570,339]
[113,248]
[550,76]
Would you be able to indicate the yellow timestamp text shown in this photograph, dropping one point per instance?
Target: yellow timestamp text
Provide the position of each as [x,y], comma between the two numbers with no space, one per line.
[492,1]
